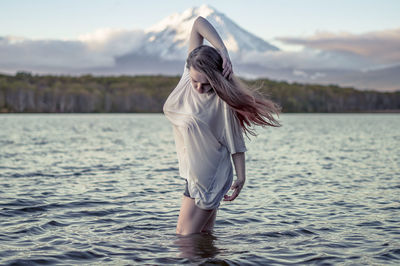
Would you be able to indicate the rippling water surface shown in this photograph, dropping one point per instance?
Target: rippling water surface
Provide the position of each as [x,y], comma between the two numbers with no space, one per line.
[104,189]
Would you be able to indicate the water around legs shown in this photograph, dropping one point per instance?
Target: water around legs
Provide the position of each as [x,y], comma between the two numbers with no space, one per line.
[192,219]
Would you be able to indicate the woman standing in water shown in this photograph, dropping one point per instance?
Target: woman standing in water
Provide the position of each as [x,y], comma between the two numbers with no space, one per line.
[210,109]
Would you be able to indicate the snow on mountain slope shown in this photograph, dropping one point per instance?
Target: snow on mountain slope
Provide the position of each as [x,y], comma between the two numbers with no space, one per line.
[169,38]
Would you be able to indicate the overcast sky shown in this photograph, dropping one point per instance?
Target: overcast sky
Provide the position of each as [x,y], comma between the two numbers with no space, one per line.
[68,19]
[317,38]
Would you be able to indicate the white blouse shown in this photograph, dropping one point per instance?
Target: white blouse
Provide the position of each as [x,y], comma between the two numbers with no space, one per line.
[206,133]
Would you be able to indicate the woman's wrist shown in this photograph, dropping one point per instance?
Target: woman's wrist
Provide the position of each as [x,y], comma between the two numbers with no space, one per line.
[242,178]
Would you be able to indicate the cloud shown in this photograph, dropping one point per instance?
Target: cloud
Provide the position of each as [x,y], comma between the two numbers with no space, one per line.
[113,42]
[53,53]
[379,47]
[98,49]
[308,58]
[342,51]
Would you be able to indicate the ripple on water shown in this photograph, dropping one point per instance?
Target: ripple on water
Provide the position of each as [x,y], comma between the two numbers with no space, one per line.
[105,189]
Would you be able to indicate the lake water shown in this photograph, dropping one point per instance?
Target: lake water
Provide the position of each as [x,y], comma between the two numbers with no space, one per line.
[104,189]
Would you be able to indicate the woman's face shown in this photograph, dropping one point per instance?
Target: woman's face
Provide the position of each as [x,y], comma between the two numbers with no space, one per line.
[199,81]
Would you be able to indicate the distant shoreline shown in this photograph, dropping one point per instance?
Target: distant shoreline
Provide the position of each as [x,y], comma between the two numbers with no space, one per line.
[27,93]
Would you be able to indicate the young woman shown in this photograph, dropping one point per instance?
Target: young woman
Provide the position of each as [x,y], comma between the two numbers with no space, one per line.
[210,109]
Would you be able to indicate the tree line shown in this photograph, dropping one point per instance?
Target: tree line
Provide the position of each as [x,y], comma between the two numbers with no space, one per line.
[25,92]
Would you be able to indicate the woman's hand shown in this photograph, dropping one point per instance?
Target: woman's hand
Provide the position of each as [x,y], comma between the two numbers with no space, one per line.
[203,29]
[226,63]
[239,162]
[236,187]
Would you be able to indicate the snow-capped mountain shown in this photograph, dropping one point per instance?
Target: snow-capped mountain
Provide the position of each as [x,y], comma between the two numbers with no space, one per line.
[162,49]
[169,38]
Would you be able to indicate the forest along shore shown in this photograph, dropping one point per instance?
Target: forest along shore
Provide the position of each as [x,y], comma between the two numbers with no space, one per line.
[26,93]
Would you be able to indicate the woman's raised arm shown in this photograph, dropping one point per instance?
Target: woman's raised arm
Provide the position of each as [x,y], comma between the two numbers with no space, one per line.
[203,29]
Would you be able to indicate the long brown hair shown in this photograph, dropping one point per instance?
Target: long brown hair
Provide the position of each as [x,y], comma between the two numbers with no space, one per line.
[250,106]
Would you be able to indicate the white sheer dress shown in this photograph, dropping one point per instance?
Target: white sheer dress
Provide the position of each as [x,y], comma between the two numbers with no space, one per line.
[206,133]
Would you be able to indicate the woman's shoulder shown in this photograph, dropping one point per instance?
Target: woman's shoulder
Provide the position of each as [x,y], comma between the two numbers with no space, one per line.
[183,82]
[185,70]
[185,74]
[185,78]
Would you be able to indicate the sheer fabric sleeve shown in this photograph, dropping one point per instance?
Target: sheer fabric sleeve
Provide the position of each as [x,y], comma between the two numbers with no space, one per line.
[185,75]
[233,133]
[172,101]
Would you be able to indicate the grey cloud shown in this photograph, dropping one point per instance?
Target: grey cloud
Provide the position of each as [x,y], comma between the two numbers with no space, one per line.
[97,50]
[309,58]
[103,48]
[114,42]
[381,47]
[52,53]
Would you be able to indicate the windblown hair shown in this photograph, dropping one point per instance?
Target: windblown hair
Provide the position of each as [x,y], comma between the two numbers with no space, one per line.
[250,106]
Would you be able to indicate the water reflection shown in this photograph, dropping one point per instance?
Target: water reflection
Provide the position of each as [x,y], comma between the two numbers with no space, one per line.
[197,246]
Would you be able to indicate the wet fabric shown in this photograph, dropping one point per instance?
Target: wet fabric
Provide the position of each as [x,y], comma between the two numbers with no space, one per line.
[206,133]
[186,192]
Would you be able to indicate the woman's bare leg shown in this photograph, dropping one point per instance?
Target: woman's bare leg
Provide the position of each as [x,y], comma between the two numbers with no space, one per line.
[192,219]
[208,227]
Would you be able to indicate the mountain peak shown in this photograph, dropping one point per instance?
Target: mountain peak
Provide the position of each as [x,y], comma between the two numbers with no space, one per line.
[203,10]
[186,16]
[169,37]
